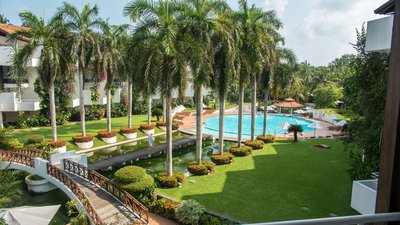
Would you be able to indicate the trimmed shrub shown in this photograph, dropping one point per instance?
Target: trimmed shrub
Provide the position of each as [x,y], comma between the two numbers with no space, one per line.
[189,212]
[13,144]
[147,126]
[266,139]
[57,144]
[196,169]
[180,177]
[242,151]
[209,165]
[83,139]
[106,134]
[219,159]
[175,125]
[127,130]
[135,180]
[256,144]
[35,139]
[161,123]
[164,207]
[167,182]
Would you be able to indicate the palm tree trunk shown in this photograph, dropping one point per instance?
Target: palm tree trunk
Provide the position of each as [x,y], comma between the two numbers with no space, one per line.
[82,104]
[149,110]
[53,121]
[221,122]
[253,105]
[109,110]
[164,108]
[295,136]
[265,111]
[199,123]
[129,103]
[168,135]
[1,120]
[240,118]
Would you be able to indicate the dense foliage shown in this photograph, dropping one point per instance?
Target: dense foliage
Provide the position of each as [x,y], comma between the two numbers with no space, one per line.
[135,180]
[10,187]
[189,212]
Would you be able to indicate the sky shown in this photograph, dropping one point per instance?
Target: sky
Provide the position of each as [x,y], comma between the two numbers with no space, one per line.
[316,30]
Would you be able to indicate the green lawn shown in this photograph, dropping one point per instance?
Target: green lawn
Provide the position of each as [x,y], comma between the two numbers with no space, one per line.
[284,181]
[341,113]
[71,129]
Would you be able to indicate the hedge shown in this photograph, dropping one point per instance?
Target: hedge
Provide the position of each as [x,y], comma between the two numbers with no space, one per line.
[127,130]
[256,144]
[83,139]
[201,169]
[106,134]
[57,144]
[242,151]
[147,126]
[266,139]
[221,159]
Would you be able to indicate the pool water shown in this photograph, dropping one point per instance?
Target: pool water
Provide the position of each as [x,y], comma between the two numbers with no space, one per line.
[274,121]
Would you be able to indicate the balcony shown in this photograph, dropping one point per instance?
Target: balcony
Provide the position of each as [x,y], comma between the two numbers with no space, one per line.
[5,57]
[10,103]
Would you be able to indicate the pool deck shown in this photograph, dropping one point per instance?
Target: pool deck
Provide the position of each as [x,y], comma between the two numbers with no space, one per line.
[188,126]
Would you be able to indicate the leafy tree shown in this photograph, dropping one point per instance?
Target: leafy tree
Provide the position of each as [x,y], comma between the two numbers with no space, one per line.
[157,112]
[3,19]
[10,186]
[295,129]
[327,95]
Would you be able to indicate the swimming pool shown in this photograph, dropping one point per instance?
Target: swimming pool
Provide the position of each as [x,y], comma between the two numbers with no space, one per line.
[274,121]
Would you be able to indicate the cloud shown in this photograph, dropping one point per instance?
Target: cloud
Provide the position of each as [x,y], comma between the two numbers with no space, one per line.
[277,5]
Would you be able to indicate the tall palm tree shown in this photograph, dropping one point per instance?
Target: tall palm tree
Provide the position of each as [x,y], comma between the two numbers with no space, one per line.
[282,54]
[111,48]
[158,39]
[82,25]
[199,19]
[258,38]
[49,38]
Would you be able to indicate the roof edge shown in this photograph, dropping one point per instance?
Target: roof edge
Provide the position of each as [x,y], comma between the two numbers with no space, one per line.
[387,8]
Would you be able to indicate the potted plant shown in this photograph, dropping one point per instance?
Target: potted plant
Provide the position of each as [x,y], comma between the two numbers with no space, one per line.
[108,137]
[60,145]
[162,125]
[130,133]
[83,142]
[147,128]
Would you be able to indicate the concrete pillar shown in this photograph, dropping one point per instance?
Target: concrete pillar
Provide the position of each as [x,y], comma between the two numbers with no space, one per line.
[41,167]
[1,120]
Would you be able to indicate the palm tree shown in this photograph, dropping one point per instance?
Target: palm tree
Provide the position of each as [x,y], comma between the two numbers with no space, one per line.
[4,19]
[111,45]
[82,25]
[282,54]
[159,42]
[258,35]
[49,38]
[295,129]
[199,19]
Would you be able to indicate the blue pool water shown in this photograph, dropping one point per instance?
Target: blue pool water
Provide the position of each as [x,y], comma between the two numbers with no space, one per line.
[274,121]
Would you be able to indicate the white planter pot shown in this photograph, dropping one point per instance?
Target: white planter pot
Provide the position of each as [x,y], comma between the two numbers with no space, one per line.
[109,140]
[131,135]
[152,131]
[109,150]
[84,145]
[39,185]
[164,128]
[61,149]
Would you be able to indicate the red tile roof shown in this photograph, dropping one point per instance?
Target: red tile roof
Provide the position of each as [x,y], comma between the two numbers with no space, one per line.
[9,29]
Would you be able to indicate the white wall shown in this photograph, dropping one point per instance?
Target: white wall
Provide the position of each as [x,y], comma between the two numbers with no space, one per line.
[363,196]
[379,34]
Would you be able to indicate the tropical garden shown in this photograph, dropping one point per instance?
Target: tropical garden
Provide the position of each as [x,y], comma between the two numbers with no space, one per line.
[240,58]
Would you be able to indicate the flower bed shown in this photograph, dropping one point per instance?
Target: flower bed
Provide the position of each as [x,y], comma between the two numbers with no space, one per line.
[106,134]
[147,126]
[161,123]
[126,130]
[242,151]
[57,144]
[225,158]
[257,144]
[266,139]
[84,142]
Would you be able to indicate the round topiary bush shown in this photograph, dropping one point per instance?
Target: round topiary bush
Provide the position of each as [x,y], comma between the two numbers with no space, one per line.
[35,139]
[242,151]
[197,169]
[266,139]
[256,144]
[189,212]
[166,181]
[134,180]
[221,159]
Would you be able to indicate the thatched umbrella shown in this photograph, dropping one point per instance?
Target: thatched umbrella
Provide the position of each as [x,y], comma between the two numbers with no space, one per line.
[289,103]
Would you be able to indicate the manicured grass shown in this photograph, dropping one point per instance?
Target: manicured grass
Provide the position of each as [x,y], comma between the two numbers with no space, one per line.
[71,129]
[284,181]
[341,113]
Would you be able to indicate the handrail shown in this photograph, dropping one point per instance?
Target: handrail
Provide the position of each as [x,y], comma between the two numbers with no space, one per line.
[67,181]
[342,220]
[33,153]
[103,182]
[17,158]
